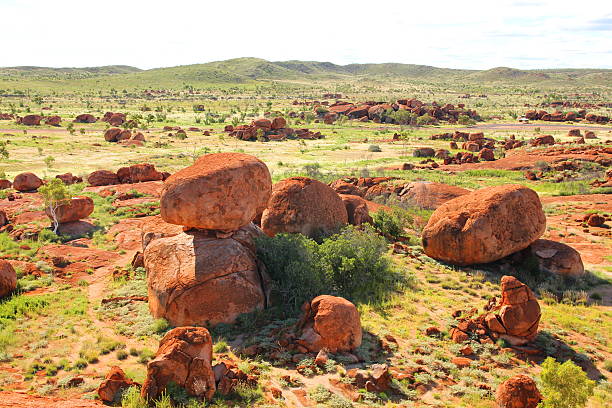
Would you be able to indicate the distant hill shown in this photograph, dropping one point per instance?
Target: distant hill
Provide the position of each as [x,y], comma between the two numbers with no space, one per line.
[250,70]
[65,73]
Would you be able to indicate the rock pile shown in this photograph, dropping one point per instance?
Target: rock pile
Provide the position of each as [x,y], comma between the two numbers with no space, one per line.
[563,117]
[209,274]
[381,112]
[484,225]
[136,173]
[515,319]
[300,204]
[266,130]
[114,119]
[115,382]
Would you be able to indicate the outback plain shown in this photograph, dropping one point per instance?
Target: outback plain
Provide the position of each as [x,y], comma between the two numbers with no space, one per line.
[302,234]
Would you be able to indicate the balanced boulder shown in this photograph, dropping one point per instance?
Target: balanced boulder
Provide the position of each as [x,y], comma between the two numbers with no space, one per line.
[517,317]
[330,323]
[484,225]
[184,358]
[557,258]
[430,195]
[519,391]
[75,209]
[220,191]
[8,278]
[27,182]
[307,206]
[197,278]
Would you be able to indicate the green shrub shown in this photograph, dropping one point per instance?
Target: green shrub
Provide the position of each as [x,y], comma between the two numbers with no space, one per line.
[374,149]
[564,385]
[351,264]
[391,223]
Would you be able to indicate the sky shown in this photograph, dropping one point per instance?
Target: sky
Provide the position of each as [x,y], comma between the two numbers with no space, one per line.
[469,34]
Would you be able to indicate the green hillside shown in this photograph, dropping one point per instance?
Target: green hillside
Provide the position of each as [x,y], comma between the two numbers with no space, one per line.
[248,72]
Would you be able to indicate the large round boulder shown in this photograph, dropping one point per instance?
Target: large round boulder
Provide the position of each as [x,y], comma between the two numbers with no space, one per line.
[77,208]
[300,204]
[8,278]
[484,225]
[195,278]
[557,258]
[519,391]
[220,191]
[331,323]
[27,182]
[430,195]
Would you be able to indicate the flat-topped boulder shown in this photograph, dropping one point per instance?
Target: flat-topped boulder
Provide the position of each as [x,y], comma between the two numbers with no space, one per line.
[220,191]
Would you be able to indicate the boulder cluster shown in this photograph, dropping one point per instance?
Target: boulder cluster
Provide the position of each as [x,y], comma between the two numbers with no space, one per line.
[34,120]
[124,136]
[382,112]
[514,319]
[209,273]
[423,194]
[266,130]
[114,119]
[557,116]
[85,118]
[136,173]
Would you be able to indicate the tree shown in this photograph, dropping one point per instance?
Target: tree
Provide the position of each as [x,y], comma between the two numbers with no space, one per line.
[55,195]
[564,385]
[4,153]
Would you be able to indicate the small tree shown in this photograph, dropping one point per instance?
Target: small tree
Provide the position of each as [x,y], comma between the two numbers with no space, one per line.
[564,385]
[55,194]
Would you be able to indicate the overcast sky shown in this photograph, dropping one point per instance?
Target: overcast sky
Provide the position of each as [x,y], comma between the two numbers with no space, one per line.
[455,34]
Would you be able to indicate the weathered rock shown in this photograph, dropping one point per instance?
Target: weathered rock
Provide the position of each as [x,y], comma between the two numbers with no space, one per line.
[594,220]
[4,184]
[155,227]
[543,140]
[138,173]
[429,195]
[114,382]
[184,357]
[8,278]
[424,152]
[196,278]
[519,391]
[112,134]
[356,209]
[68,178]
[85,118]
[3,219]
[31,120]
[558,258]
[300,204]
[484,225]
[27,182]
[486,154]
[102,178]
[53,120]
[278,123]
[517,317]
[330,323]
[77,208]
[221,191]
